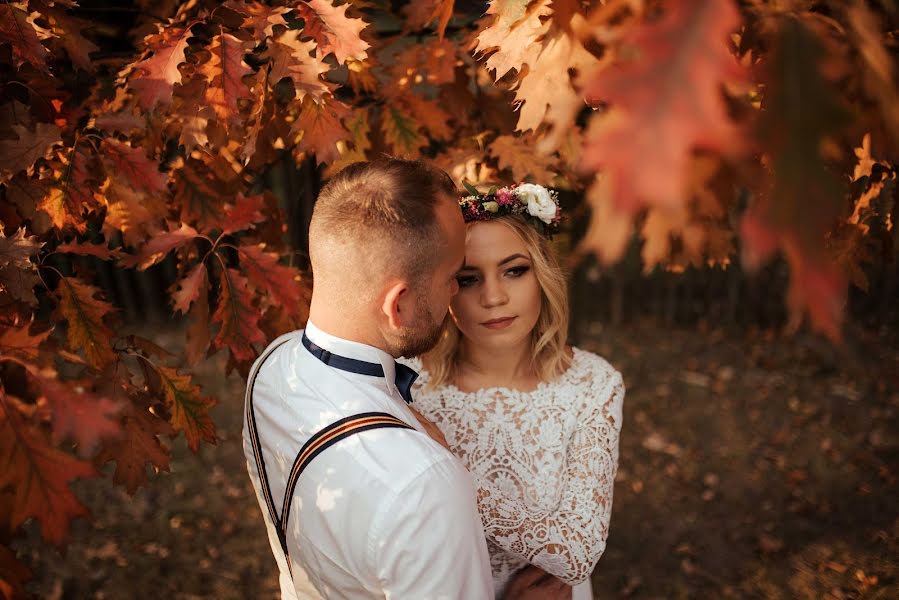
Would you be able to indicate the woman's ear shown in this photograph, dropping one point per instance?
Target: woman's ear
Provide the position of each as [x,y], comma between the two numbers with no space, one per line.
[396,306]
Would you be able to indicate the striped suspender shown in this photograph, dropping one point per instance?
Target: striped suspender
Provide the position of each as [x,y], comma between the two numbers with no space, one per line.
[318,443]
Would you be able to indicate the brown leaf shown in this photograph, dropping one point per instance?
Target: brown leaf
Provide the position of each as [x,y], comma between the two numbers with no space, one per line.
[84,314]
[19,343]
[198,330]
[21,153]
[421,14]
[511,38]
[138,447]
[517,154]
[289,57]
[246,212]
[401,131]
[190,411]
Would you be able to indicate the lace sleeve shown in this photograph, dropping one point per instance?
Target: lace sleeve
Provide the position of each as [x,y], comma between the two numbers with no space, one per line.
[567,539]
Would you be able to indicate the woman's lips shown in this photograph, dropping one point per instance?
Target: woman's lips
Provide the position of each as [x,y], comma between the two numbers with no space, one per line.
[498,323]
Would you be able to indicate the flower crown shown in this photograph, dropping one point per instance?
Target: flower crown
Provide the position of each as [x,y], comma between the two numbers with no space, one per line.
[538,205]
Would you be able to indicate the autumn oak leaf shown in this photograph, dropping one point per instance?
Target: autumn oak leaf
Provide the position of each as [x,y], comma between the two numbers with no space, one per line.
[224,73]
[137,447]
[190,411]
[21,153]
[188,288]
[39,475]
[333,32]
[158,247]
[280,282]
[84,314]
[84,417]
[238,318]
[157,74]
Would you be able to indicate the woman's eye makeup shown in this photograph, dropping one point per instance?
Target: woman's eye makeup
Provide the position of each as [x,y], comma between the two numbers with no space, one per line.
[466,280]
[518,271]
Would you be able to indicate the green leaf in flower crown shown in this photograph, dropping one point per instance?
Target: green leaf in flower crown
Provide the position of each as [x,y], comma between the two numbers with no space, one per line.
[471,189]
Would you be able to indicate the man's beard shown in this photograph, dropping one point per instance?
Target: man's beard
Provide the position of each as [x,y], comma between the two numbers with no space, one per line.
[422,336]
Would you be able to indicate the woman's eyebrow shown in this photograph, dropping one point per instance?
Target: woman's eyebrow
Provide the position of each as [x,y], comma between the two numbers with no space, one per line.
[511,258]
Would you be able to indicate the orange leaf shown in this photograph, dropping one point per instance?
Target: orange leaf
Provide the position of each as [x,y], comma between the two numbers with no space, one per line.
[259,18]
[39,476]
[423,13]
[275,280]
[289,57]
[85,314]
[238,317]
[321,126]
[401,131]
[517,154]
[332,30]
[189,288]
[511,38]
[83,249]
[19,343]
[225,72]
[190,411]
[666,101]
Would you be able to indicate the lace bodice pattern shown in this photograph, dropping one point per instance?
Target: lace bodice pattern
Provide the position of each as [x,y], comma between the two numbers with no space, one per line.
[544,462]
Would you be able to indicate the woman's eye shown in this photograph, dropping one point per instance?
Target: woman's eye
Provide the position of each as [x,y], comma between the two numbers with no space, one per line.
[518,271]
[466,280]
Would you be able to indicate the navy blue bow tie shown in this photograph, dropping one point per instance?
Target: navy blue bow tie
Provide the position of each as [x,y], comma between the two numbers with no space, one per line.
[405,376]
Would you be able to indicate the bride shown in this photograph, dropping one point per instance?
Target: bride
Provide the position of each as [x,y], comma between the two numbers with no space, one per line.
[534,420]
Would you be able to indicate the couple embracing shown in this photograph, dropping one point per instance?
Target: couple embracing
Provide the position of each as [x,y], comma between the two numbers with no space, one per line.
[398,451]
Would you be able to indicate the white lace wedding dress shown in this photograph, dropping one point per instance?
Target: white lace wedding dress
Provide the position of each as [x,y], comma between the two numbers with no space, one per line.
[544,462]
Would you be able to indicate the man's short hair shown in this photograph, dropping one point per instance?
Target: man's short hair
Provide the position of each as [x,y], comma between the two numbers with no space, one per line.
[386,202]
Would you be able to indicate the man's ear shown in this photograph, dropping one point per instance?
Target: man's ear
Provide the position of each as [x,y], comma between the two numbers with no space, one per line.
[397,306]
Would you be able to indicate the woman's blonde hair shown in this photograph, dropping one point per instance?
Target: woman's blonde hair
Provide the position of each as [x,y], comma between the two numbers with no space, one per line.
[549,337]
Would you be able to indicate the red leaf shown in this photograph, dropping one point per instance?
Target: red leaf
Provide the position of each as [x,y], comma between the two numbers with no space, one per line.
[158,74]
[200,202]
[190,411]
[68,30]
[13,574]
[85,314]
[238,317]
[189,288]
[666,101]
[81,416]
[159,246]
[278,281]
[39,476]
[138,447]
[422,13]
[24,35]
[84,249]
[130,164]
[332,30]
[259,18]
[245,213]
[225,72]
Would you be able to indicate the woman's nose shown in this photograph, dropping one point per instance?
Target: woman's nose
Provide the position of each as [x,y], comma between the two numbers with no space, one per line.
[493,293]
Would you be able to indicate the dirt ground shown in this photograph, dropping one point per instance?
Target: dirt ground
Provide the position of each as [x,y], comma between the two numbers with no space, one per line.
[751,467]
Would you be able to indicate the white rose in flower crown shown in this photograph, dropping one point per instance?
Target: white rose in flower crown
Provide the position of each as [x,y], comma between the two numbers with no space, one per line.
[540,202]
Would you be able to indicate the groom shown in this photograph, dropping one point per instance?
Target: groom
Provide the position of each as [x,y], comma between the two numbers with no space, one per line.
[358,501]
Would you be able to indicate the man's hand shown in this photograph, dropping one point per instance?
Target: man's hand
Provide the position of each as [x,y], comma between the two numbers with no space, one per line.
[431,429]
[533,583]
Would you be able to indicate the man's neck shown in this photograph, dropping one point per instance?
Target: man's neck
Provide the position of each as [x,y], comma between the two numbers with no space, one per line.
[343,323]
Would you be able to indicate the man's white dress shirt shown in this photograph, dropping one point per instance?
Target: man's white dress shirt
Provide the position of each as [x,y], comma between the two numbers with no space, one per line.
[385,513]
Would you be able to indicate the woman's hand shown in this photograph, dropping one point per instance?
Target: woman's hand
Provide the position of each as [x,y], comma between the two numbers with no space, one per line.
[431,429]
[533,583]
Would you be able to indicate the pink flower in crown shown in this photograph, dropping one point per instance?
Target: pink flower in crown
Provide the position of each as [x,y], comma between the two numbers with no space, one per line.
[504,197]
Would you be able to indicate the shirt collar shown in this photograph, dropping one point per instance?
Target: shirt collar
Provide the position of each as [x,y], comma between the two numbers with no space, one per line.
[358,351]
